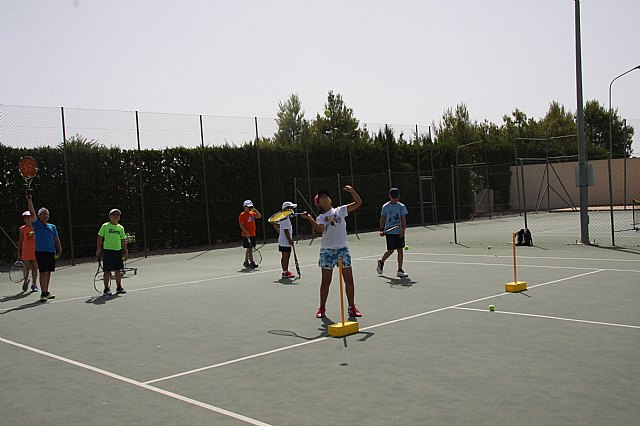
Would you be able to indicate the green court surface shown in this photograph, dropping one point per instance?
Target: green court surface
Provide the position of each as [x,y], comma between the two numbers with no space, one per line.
[199,340]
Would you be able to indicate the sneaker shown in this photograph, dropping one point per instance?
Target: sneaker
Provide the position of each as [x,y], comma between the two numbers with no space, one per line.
[402,274]
[354,312]
[245,264]
[287,275]
[253,265]
[50,296]
[107,292]
[25,286]
[380,267]
[43,297]
[120,290]
[321,313]
[34,288]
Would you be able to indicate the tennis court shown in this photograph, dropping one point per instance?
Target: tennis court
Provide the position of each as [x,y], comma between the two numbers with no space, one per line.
[198,340]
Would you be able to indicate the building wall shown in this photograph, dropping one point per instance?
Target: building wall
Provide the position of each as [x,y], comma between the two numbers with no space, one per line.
[563,192]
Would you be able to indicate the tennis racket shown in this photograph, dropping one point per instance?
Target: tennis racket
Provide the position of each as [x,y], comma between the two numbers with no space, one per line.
[257,256]
[295,259]
[391,228]
[17,272]
[280,216]
[28,169]
[98,281]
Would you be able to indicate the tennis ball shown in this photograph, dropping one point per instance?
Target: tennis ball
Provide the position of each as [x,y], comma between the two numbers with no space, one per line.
[492,308]
[406,247]
[56,257]
[327,113]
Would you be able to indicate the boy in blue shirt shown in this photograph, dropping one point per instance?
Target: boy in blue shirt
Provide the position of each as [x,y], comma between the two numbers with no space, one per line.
[393,214]
[48,247]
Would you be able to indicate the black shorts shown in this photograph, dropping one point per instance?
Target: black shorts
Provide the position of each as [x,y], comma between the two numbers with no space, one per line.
[284,249]
[112,260]
[46,261]
[394,241]
[249,242]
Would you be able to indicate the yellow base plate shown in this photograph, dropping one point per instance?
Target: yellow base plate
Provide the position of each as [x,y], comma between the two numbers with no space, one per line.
[515,287]
[339,329]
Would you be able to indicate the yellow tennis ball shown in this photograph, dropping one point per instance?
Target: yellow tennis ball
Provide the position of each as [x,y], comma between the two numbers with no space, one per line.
[492,308]
[406,247]
[327,113]
[56,257]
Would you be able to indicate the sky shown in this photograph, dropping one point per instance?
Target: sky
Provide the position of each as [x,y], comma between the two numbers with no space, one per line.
[397,61]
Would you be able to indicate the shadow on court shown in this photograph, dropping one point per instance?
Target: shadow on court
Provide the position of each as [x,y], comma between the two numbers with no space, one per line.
[18,296]
[102,299]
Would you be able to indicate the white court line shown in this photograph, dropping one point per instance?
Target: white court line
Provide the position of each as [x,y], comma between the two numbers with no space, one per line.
[233,361]
[243,274]
[138,384]
[550,317]
[588,259]
[574,268]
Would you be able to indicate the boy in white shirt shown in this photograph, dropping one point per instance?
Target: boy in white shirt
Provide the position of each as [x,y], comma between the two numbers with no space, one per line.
[331,224]
[285,240]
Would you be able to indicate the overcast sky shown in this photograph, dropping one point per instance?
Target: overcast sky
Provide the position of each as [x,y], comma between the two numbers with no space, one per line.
[394,61]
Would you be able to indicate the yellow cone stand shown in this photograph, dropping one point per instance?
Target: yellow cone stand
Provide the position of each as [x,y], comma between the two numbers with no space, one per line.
[515,286]
[343,328]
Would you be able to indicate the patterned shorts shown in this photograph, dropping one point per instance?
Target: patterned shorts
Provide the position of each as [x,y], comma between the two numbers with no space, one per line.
[329,258]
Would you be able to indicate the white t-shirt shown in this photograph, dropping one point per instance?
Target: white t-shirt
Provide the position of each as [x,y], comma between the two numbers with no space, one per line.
[335,228]
[282,239]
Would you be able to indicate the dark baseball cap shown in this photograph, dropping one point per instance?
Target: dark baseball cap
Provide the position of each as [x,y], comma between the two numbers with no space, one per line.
[394,193]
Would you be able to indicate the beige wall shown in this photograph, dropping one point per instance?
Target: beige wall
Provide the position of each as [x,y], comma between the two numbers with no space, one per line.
[534,176]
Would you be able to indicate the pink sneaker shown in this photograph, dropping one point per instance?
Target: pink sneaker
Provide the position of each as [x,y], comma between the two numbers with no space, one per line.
[321,313]
[354,312]
[288,274]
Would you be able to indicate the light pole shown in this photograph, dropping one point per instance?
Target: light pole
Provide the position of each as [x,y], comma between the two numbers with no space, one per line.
[613,239]
[582,150]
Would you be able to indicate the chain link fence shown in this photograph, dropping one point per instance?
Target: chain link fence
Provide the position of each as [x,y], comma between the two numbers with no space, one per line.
[180,181]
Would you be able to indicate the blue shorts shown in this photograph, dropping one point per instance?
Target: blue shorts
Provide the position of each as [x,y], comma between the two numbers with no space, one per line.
[329,258]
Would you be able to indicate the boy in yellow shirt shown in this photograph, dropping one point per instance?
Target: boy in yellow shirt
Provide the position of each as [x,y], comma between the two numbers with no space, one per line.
[112,235]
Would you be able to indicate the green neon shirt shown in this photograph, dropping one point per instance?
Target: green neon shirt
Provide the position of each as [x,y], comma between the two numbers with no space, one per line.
[112,235]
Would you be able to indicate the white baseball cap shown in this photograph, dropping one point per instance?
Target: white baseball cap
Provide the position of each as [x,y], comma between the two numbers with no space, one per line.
[288,205]
[42,210]
[247,203]
[26,213]
[112,211]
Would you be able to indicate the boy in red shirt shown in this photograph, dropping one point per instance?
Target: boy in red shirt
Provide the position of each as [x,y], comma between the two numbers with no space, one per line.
[247,222]
[27,252]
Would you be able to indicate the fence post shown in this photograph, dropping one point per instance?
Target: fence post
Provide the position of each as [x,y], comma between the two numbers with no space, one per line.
[204,177]
[66,180]
[386,137]
[264,229]
[295,201]
[419,177]
[624,139]
[355,216]
[515,153]
[144,222]
[524,197]
[453,197]
[433,181]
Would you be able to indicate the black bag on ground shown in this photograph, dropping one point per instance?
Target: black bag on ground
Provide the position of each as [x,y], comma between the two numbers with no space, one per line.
[523,237]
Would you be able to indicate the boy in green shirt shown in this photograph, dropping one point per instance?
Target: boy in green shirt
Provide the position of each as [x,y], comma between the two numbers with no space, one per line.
[115,251]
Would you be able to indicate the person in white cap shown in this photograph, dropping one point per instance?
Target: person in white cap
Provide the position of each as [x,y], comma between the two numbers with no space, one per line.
[112,236]
[27,252]
[247,222]
[285,240]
